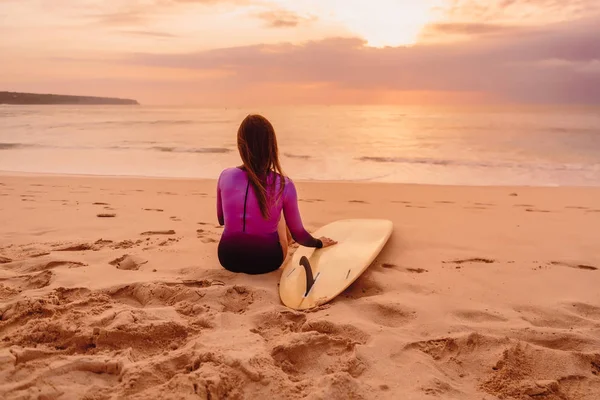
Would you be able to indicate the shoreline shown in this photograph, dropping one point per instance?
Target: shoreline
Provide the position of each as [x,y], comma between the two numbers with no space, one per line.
[4,173]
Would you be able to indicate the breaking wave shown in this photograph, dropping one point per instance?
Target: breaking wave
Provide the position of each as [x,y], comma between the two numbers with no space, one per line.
[480,164]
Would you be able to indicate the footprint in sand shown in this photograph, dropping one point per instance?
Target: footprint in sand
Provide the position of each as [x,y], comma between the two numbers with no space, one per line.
[514,375]
[409,270]
[365,286]
[154,209]
[476,260]
[585,310]
[152,233]
[168,242]
[203,234]
[79,247]
[126,244]
[536,210]
[478,316]
[34,265]
[346,331]
[577,266]
[273,324]
[315,354]
[106,215]
[14,285]
[416,270]
[442,389]
[175,219]
[237,299]
[151,294]
[437,349]
[358,201]
[131,329]
[577,208]
[128,262]
[445,202]
[100,243]
[387,314]
[565,341]
[551,318]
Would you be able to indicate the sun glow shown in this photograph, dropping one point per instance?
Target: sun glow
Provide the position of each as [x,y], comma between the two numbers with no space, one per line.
[385,22]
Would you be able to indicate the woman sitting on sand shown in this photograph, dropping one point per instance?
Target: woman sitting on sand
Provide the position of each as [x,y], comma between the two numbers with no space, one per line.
[250,202]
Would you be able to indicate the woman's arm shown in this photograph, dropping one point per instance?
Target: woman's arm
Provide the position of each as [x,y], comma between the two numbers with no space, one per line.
[293,220]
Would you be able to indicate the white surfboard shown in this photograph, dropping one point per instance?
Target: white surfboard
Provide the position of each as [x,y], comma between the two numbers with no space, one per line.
[315,276]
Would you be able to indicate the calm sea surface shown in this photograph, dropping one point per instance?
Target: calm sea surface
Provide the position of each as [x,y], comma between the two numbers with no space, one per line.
[470,146]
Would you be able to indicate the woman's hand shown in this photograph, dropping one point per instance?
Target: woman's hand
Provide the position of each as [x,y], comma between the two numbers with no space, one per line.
[327,241]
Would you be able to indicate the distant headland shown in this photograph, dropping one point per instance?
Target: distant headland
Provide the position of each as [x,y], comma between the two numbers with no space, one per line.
[16,98]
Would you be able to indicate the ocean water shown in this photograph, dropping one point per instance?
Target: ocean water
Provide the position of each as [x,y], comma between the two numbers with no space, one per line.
[538,146]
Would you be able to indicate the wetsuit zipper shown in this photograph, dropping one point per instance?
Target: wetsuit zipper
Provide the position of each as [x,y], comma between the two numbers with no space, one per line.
[245,201]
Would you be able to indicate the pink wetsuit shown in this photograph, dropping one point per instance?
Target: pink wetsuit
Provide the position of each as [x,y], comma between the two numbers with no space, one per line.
[250,243]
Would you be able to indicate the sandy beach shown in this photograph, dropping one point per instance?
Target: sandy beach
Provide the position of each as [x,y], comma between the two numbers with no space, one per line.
[110,288]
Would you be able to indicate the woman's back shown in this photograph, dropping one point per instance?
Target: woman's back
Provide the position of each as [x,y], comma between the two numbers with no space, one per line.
[238,208]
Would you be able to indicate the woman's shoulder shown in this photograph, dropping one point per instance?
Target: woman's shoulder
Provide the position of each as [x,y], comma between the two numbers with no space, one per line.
[277,177]
[229,172]
[288,183]
[232,170]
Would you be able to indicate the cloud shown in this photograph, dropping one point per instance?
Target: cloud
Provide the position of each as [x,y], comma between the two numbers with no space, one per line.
[283,19]
[148,33]
[493,10]
[120,18]
[127,13]
[468,29]
[508,66]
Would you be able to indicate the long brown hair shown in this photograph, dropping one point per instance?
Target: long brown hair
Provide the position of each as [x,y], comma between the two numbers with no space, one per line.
[257,145]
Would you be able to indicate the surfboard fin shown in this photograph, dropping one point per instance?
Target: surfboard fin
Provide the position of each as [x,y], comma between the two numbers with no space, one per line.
[310,280]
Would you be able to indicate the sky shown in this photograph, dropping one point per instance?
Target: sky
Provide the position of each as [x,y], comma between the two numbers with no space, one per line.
[282,52]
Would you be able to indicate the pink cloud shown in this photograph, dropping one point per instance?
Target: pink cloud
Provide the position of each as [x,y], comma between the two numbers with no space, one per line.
[283,19]
[507,66]
[490,10]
